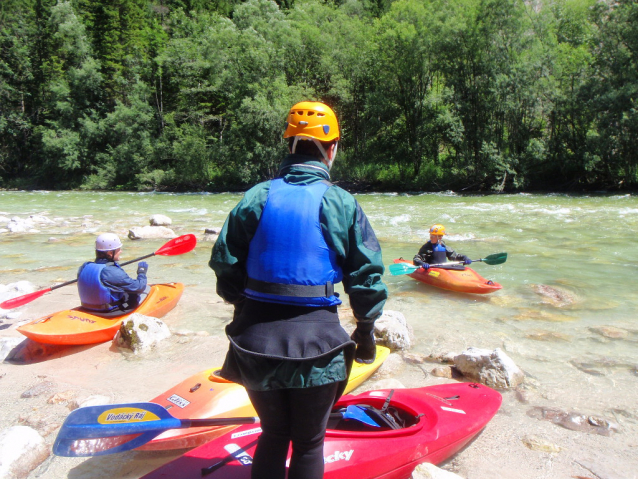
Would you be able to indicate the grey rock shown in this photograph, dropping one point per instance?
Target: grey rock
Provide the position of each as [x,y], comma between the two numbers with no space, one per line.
[393,330]
[141,333]
[430,471]
[493,368]
[151,232]
[160,220]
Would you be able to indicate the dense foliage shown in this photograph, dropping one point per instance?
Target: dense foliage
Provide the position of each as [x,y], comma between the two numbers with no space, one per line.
[491,95]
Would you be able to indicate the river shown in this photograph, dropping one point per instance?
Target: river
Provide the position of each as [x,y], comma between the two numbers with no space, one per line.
[566,314]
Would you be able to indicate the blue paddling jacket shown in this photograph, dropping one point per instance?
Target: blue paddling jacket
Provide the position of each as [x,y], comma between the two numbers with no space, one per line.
[103,286]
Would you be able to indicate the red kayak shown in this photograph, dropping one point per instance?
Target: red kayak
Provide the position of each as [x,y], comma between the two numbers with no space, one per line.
[464,280]
[427,424]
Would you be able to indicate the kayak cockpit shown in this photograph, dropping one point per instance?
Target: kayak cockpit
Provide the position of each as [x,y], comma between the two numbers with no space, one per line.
[392,418]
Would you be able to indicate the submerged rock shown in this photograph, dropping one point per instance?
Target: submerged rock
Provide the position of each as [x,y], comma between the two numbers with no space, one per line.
[492,368]
[611,332]
[141,333]
[393,330]
[574,421]
[554,296]
[22,449]
[151,232]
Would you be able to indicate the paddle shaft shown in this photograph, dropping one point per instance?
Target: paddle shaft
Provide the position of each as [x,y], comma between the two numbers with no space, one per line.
[121,264]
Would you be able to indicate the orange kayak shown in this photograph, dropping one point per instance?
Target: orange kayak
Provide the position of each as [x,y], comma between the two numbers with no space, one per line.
[76,326]
[206,394]
[463,281]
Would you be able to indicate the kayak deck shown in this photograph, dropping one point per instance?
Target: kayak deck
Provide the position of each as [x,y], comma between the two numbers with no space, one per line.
[76,326]
[206,394]
[428,424]
[462,281]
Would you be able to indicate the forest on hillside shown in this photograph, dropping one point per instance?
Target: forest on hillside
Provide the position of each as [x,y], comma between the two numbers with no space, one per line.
[432,95]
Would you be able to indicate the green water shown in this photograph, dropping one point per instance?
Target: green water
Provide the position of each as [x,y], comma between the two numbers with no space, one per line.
[584,246]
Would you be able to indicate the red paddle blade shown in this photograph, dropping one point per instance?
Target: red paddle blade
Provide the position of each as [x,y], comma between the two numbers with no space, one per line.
[177,246]
[22,300]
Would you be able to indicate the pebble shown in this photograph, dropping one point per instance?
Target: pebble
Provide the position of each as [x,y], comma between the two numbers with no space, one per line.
[538,444]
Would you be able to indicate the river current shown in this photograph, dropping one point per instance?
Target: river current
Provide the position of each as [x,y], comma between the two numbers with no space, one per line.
[566,314]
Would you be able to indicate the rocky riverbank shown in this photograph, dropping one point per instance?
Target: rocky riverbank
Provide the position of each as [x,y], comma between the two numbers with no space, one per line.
[528,438]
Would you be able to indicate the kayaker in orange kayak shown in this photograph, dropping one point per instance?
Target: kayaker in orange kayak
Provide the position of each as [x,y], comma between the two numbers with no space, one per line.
[435,251]
[104,286]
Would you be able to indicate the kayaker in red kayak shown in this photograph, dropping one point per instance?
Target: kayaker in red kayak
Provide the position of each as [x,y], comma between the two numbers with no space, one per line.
[436,251]
[104,286]
[277,258]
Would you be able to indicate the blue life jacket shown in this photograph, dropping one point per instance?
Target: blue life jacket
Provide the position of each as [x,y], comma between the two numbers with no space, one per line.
[93,294]
[439,253]
[289,261]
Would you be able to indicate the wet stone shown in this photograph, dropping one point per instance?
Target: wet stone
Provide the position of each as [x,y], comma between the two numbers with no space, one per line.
[574,421]
[610,332]
[46,387]
[554,296]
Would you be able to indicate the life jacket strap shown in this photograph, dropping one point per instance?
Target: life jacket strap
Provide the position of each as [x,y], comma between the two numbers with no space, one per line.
[297,290]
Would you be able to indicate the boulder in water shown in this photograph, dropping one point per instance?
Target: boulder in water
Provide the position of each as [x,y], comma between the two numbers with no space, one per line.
[151,232]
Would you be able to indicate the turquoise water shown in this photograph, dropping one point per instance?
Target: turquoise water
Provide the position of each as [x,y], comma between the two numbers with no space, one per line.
[582,246]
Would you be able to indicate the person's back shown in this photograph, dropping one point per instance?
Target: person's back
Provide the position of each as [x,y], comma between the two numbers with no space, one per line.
[103,286]
[277,258]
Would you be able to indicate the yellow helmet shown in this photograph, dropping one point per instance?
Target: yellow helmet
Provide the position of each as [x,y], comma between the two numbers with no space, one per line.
[312,119]
[438,230]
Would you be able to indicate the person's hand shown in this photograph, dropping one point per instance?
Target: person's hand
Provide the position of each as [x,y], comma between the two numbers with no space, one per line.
[467,260]
[142,267]
[366,345]
[425,266]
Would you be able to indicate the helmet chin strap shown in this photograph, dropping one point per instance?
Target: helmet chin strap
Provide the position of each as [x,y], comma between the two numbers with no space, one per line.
[321,149]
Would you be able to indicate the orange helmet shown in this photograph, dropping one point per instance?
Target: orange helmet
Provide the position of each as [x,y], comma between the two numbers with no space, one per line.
[438,230]
[312,119]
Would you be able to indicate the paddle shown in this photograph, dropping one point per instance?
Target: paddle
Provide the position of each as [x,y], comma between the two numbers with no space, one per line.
[109,429]
[407,268]
[176,246]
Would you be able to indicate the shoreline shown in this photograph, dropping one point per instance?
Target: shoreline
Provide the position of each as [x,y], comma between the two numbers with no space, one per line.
[499,451]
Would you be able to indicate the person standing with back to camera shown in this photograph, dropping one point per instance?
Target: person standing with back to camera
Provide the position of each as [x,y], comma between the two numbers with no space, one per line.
[280,253]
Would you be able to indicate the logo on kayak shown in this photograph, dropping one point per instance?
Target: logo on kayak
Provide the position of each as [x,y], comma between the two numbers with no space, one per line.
[436,274]
[249,432]
[125,414]
[338,456]
[80,318]
[179,401]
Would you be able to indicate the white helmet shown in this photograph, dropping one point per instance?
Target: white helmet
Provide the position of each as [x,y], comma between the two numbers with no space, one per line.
[107,242]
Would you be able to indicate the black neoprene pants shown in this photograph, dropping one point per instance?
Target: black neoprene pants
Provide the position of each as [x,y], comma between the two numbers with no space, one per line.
[297,415]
